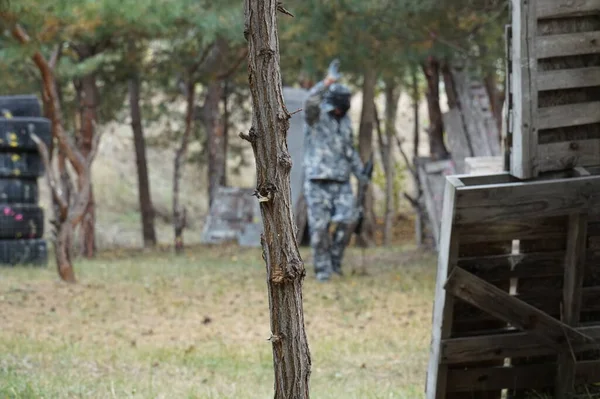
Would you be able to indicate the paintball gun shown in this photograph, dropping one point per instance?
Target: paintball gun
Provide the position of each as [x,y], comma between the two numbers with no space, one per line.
[362,192]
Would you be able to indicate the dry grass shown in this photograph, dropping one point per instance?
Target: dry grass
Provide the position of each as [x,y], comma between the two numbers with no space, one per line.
[157,326]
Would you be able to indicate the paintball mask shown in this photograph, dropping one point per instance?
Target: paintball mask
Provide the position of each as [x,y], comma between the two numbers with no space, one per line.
[337,97]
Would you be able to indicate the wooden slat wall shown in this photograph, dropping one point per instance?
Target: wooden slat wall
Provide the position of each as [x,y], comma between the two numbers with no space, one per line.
[555,84]
[525,238]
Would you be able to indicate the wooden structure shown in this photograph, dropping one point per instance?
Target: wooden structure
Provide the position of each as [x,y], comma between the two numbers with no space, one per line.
[432,177]
[517,309]
[470,124]
[553,69]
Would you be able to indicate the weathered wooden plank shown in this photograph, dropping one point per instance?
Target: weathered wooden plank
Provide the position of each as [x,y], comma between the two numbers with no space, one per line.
[566,8]
[490,299]
[504,267]
[573,281]
[567,44]
[568,115]
[526,200]
[442,308]
[568,78]
[524,88]
[519,229]
[565,155]
[501,346]
[516,377]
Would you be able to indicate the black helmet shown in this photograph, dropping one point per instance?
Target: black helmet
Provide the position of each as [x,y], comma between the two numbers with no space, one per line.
[337,97]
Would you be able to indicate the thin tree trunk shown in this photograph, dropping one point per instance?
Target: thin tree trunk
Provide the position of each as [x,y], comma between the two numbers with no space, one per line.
[285,268]
[437,148]
[179,211]
[217,150]
[365,142]
[496,98]
[88,96]
[392,95]
[451,94]
[416,182]
[144,193]
[70,210]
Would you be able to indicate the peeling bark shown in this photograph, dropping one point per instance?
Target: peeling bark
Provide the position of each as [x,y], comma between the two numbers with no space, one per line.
[285,268]
[70,199]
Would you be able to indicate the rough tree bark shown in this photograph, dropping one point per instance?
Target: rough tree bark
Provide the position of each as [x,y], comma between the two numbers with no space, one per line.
[144,193]
[179,211]
[217,143]
[365,143]
[392,95]
[285,267]
[437,147]
[69,210]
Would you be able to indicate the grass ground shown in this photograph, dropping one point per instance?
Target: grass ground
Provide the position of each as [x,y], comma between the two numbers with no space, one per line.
[152,325]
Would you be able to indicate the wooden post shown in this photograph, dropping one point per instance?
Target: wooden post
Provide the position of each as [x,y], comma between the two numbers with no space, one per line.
[574,270]
[443,305]
[524,68]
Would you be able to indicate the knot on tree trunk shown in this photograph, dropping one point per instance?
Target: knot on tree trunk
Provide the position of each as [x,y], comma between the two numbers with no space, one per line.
[285,161]
[265,192]
[288,272]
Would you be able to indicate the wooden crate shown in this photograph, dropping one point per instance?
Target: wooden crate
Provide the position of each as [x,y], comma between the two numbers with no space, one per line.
[554,81]
[517,307]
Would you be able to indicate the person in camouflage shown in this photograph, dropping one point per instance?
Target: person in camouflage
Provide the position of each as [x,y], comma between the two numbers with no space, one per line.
[329,160]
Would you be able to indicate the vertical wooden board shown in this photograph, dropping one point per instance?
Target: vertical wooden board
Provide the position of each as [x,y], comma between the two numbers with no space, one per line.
[535,287]
[573,282]
[442,307]
[524,65]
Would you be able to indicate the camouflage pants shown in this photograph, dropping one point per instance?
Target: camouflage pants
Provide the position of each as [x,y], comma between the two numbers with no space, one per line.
[328,202]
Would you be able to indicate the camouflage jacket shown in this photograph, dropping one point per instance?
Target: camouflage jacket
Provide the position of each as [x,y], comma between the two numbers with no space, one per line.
[328,149]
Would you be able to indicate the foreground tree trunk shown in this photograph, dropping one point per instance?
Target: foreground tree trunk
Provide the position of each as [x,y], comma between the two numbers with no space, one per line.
[392,95]
[88,103]
[217,143]
[365,142]
[69,210]
[285,268]
[179,211]
[144,194]
[437,148]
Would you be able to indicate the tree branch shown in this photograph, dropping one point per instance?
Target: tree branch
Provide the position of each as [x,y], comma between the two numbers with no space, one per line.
[54,189]
[409,165]
[55,57]
[50,92]
[241,57]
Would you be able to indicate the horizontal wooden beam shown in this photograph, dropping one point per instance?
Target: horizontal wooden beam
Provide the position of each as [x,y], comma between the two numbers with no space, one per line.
[501,346]
[534,376]
[568,115]
[546,300]
[520,229]
[548,198]
[566,8]
[567,44]
[509,309]
[504,267]
[568,78]
[565,155]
